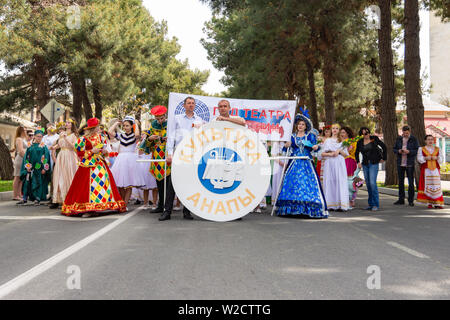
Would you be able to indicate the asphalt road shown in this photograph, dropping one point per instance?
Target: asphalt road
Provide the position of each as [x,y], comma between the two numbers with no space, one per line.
[134,256]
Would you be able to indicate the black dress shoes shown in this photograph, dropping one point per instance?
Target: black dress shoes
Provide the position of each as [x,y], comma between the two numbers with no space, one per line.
[164,216]
[188,216]
[399,202]
[157,210]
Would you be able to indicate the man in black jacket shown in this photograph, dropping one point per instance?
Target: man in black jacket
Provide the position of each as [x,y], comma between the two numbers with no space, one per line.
[405,148]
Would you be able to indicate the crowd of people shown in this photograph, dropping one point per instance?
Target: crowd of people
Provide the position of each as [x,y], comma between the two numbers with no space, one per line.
[96,170]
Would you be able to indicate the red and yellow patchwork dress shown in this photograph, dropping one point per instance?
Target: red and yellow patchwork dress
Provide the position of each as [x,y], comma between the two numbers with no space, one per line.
[93,187]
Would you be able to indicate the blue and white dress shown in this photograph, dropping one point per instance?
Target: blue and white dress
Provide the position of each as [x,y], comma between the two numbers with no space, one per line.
[301,192]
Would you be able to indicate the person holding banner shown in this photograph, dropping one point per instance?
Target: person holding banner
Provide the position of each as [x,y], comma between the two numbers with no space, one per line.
[184,124]
[224,114]
[301,192]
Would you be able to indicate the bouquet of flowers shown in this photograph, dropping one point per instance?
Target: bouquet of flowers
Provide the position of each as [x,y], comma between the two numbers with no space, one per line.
[349,142]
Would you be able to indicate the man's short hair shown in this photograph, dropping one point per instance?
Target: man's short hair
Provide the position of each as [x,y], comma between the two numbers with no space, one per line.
[187,98]
[406,128]
[224,100]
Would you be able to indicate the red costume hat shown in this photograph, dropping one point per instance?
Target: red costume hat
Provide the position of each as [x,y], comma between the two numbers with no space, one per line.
[92,123]
[158,110]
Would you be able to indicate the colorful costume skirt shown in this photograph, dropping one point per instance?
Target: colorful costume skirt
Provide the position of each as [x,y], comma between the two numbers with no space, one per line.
[301,192]
[351,166]
[429,190]
[93,189]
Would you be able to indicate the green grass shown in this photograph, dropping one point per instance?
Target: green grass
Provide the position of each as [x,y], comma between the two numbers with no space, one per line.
[6,185]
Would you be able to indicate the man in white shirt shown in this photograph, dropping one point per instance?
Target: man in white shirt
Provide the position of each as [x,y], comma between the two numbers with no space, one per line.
[224,114]
[184,124]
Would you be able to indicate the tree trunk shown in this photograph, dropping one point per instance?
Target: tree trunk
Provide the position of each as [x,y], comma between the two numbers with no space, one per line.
[42,86]
[86,104]
[97,101]
[77,105]
[328,90]
[414,105]
[388,103]
[312,96]
[6,164]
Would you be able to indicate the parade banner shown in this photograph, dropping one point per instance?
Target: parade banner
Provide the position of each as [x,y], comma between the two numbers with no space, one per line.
[272,120]
[221,171]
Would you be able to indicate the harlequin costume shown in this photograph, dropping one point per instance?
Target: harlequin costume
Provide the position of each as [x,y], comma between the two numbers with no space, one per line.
[35,183]
[93,188]
[429,190]
[157,149]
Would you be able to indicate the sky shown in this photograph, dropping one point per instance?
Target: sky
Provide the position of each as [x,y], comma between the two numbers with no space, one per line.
[185,20]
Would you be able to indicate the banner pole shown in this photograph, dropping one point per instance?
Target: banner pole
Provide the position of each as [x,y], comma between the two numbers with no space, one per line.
[279,184]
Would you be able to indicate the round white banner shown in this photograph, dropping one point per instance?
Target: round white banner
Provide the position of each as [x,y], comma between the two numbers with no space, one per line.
[221,171]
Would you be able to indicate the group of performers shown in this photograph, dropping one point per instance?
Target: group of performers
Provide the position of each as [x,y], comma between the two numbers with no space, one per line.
[95,172]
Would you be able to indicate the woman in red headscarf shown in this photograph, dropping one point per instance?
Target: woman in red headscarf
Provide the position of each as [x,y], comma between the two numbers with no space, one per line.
[93,188]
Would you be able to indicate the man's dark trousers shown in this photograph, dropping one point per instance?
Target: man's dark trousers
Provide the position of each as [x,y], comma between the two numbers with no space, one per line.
[401,183]
[170,195]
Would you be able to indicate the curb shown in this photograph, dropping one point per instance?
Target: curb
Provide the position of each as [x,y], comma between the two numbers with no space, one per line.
[394,192]
[6,195]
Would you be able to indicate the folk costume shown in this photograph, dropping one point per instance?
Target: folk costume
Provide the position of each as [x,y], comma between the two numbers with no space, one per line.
[301,192]
[430,191]
[35,182]
[350,160]
[93,188]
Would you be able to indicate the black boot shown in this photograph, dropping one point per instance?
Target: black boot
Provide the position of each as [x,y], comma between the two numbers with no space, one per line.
[164,216]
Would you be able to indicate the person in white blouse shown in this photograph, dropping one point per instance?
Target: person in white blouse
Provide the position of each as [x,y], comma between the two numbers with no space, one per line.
[430,158]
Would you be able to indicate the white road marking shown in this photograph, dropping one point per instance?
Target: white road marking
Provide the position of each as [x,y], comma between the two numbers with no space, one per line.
[29,275]
[408,250]
[78,219]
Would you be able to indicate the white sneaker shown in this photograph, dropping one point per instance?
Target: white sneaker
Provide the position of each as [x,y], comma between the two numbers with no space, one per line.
[176,208]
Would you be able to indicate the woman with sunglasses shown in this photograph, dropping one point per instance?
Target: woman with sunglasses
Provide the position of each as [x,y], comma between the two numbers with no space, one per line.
[374,152]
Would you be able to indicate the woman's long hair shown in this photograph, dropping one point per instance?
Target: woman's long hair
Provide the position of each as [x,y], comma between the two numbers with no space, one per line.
[19,132]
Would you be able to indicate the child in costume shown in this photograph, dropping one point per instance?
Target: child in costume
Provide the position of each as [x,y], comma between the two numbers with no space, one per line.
[36,171]
[125,166]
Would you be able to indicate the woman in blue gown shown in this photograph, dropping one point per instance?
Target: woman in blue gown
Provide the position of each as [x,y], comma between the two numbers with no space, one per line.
[301,192]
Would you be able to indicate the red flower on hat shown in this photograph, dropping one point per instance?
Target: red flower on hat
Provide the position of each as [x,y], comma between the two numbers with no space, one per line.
[158,110]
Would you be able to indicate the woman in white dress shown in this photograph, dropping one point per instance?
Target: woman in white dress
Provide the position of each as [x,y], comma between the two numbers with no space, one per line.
[124,169]
[150,181]
[66,163]
[335,185]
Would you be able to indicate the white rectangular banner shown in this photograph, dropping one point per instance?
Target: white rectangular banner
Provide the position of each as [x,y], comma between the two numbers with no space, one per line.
[271,119]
